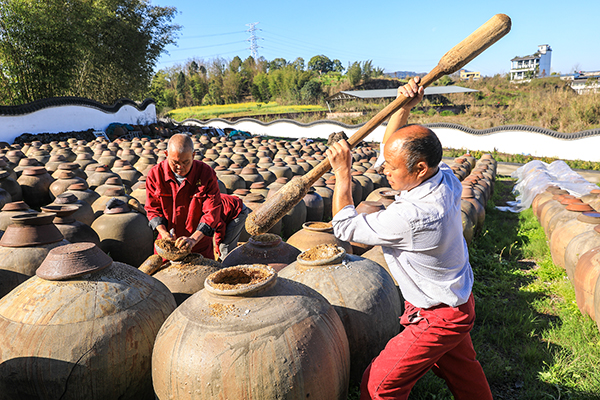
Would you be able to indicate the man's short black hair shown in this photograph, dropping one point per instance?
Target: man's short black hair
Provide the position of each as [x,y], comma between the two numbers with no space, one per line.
[422,147]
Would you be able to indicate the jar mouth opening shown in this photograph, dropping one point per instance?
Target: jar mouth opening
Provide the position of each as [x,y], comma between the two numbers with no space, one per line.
[240,280]
[318,226]
[322,254]
[265,239]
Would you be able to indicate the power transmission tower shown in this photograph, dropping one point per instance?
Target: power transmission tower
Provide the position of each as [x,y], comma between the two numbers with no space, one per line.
[253,39]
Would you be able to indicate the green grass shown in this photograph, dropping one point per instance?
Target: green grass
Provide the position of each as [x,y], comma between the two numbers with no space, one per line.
[238,110]
[531,339]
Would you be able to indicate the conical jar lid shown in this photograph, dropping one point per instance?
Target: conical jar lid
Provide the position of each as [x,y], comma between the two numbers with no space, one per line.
[31,230]
[73,260]
[15,206]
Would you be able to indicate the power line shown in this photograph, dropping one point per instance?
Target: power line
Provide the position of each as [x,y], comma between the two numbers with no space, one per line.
[209,45]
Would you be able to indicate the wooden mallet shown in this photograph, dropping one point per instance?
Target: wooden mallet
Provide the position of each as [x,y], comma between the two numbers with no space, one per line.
[275,207]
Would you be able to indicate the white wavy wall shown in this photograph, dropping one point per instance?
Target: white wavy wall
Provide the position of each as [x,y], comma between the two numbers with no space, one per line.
[71,118]
[514,142]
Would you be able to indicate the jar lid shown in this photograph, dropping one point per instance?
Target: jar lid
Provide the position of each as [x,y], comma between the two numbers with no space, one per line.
[15,206]
[73,260]
[31,230]
[78,186]
[61,211]
[32,171]
[580,207]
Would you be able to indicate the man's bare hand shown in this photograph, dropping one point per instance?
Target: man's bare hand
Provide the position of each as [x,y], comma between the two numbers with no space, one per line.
[185,243]
[412,90]
[340,157]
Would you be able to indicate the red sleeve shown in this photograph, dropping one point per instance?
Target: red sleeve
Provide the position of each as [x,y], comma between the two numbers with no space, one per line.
[153,205]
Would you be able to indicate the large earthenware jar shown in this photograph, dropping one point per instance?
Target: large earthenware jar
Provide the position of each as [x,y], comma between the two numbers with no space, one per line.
[251,335]
[468,226]
[129,175]
[315,206]
[62,181]
[565,233]
[72,230]
[93,322]
[23,247]
[124,234]
[83,192]
[545,196]
[100,175]
[10,185]
[232,181]
[551,207]
[100,204]
[186,277]
[315,233]
[35,183]
[468,195]
[10,210]
[362,293]
[385,195]
[570,211]
[267,249]
[584,281]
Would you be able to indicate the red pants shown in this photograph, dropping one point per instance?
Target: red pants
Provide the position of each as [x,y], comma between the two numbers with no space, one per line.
[436,338]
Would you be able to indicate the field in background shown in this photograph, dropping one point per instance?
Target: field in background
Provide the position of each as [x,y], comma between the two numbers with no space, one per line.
[239,110]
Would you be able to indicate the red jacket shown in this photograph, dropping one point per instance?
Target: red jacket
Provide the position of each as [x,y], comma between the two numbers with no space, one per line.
[193,205]
[232,206]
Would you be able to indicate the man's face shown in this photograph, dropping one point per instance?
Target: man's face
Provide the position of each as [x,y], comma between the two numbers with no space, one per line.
[180,163]
[396,172]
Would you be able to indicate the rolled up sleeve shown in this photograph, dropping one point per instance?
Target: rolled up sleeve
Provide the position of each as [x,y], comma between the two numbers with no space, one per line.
[384,228]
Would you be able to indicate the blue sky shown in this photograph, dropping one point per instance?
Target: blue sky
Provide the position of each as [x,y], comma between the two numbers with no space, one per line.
[395,35]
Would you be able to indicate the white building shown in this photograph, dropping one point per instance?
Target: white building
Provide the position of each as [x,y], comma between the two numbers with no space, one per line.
[536,65]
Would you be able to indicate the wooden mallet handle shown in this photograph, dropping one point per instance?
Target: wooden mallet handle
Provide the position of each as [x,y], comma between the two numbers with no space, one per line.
[275,207]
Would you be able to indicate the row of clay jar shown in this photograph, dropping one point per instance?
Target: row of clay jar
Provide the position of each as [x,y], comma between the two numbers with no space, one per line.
[572,227]
[311,334]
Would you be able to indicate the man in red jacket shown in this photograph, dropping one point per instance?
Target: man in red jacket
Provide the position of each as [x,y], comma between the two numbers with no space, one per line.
[183,200]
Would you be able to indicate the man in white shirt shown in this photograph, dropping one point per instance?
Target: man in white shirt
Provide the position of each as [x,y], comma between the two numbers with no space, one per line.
[423,245]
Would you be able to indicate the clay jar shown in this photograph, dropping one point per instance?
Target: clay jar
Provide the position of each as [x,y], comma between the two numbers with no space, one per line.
[327,196]
[385,195]
[468,195]
[564,234]
[315,233]
[93,322]
[314,205]
[362,293]
[10,210]
[23,247]
[250,175]
[265,338]
[267,249]
[186,277]
[570,211]
[545,196]
[232,181]
[100,175]
[72,230]
[10,185]
[83,192]
[35,183]
[63,180]
[125,235]
[585,279]
[114,182]
[129,175]
[468,226]
[100,204]
[552,207]
[579,245]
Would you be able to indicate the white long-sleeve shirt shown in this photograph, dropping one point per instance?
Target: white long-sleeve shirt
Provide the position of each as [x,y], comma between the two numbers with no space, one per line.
[422,239]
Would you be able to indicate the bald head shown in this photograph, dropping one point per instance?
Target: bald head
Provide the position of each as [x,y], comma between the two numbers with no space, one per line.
[180,143]
[415,143]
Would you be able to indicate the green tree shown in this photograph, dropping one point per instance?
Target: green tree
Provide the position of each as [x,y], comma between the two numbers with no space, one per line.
[321,64]
[354,73]
[101,49]
[277,63]
[336,66]
[260,87]
[298,64]
[311,91]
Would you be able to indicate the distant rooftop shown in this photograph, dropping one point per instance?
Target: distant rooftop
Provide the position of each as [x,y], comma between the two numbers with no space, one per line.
[392,93]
